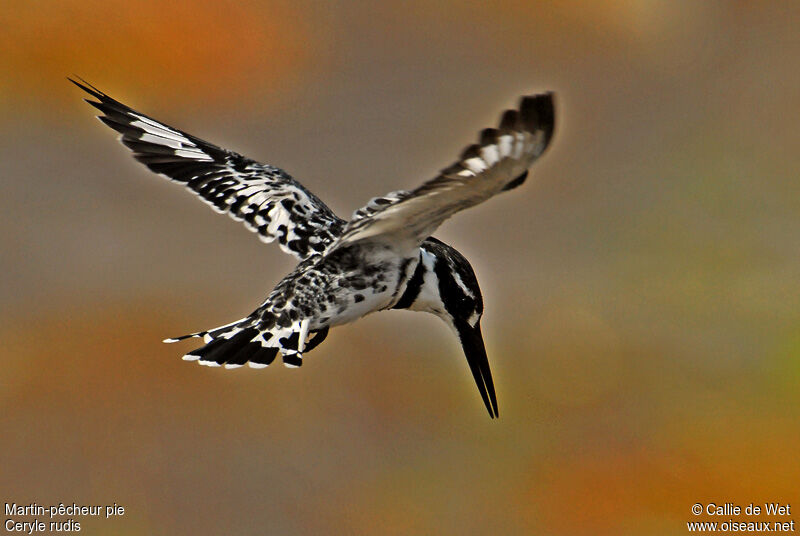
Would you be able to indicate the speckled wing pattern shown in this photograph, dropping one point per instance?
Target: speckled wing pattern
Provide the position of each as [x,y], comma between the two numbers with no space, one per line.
[265,198]
[376,204]
[499,162]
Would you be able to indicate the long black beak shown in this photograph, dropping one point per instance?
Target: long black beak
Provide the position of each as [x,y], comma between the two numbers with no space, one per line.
[474,349]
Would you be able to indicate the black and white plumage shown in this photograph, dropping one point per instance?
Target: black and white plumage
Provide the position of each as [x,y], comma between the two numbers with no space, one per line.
[382,258]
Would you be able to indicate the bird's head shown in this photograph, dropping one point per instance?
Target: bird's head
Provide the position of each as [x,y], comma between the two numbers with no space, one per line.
[447,287]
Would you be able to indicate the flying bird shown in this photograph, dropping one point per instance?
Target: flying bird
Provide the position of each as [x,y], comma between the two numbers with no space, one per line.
[384,257]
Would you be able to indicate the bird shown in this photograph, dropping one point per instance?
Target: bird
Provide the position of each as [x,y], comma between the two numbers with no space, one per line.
[384,257]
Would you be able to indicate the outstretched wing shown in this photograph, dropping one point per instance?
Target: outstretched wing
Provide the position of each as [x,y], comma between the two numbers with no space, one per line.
[267,199]
[498,162]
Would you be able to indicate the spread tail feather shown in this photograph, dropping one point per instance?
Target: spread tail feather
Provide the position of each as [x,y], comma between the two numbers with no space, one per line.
[242,342]
[209,335]
[183,337]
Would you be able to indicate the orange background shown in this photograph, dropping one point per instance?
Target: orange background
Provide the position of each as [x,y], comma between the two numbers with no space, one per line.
[642,289]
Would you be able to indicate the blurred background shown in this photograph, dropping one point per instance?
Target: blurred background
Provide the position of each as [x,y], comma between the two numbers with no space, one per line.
[642,289]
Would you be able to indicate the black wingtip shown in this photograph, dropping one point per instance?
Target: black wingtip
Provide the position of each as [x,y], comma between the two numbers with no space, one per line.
[87,87]
[473,151]
[538,113]
[509,121]
[104,103]
[488,136]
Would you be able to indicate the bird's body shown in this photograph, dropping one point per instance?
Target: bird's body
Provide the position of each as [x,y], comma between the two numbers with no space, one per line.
[322,292]
[382,258]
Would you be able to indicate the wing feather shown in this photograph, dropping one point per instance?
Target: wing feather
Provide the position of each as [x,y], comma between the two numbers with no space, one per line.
[499,162]
[265,198]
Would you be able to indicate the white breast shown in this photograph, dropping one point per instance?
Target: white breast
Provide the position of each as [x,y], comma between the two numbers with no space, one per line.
[428,299]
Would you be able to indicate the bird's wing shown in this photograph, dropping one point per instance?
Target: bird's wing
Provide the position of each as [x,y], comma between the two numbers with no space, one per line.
[376,204]
[498,162]
[265,198]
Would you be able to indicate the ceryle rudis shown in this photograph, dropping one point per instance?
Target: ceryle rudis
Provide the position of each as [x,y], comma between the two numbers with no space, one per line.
[384,257]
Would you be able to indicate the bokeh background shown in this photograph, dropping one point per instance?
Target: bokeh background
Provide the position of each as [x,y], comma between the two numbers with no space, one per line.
[642,290]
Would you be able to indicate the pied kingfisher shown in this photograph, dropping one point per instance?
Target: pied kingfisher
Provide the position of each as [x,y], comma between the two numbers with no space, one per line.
[384,257]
